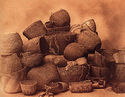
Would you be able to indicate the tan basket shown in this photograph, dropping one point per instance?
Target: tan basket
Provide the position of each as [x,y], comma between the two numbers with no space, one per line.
[34,30]
[10,64]
[10,43]
[91,24]
[11,81]
[28,87]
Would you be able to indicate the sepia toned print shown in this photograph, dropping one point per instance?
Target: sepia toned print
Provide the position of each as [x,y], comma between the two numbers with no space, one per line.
[68,48]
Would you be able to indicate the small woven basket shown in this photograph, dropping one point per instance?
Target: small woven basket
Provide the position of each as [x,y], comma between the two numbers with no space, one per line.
[28,87]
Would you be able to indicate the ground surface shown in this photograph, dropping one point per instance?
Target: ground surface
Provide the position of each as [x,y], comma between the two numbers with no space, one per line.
[96,93]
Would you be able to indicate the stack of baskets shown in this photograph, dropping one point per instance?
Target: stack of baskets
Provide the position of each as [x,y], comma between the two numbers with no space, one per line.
[11,69]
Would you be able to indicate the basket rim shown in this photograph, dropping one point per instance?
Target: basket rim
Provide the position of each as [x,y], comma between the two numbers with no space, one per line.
[23,82]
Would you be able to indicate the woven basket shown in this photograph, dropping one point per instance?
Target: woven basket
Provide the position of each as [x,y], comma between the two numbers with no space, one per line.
[89,40]
[91,24]
[119,72]
[56,87]
[43,75]
[31,59]
[81,87]
[74,73]
[12,81]
[10,43]
[55,30]
[58,42]
[119,87]
[37,44]
[60,18]
[97,71]
[10,64]
[74,50]
[119,56]
[28,87]
[34,30]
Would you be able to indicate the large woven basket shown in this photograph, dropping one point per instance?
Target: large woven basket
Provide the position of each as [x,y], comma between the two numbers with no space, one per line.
[10,43]
[11,82]
[90,40]
[43,75]
[73,74]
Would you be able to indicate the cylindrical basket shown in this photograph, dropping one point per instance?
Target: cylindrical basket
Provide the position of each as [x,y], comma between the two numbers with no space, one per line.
[10,43]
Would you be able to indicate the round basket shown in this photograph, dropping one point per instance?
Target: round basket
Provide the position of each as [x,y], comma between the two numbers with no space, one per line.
[89,40]
[60,18]
[28,87]
[10,43]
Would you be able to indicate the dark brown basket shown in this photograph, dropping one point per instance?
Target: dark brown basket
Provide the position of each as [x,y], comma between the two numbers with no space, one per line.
[44,75]
[58,42]
[89,40]
[60,18]
[119,72]
[38,44]
[97,71]
[34,30]
[74,50]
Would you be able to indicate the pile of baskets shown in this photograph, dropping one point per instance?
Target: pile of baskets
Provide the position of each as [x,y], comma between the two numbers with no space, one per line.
[56,57]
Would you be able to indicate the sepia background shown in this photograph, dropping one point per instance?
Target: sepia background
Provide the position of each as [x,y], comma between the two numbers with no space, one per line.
[16,15]
[109,15]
